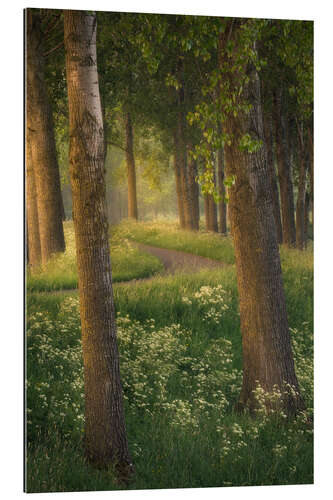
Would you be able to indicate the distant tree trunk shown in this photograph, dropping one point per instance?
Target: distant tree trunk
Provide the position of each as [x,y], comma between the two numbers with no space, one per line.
[178,181]
[284,174]
[270,160]
[43,149]
[33,240]
[62,207]
[221,190]
[267,354]
[105,434]
[300,206]
[210,210]
[131,175]
[194,190]
[184,177]
[210,213]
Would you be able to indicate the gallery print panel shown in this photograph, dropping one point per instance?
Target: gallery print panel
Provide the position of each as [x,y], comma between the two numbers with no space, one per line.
[169,251]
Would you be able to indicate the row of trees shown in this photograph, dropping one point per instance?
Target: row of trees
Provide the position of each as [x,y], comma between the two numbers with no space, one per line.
[231,99]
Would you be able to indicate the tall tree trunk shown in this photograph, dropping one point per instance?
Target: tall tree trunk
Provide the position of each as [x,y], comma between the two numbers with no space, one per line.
[206,210]
[284,174]
[300,206]
[34,250]
[105,434]
[268,132]
[194,190]
[221,187]
[131,175]
[210,213]
[177,167]
[267,354]
[210,209]
[43,149]
[184,177]
[62,207]
[213,226]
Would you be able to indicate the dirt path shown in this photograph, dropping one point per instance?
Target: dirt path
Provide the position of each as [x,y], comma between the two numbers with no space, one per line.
[174,261]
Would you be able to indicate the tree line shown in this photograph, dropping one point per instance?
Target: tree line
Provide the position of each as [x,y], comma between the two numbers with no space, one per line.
[231,100]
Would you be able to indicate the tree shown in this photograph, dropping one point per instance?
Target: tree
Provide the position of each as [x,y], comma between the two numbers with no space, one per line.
[267,354]
[131,173]
[300,205]
[284,172]
[221,191]
[105,434]
[42,143]
[34,251]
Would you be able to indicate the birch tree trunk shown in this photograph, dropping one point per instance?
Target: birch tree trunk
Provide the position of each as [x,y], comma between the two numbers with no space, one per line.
[267,354]
[131,174]
[42,143]
[105,434]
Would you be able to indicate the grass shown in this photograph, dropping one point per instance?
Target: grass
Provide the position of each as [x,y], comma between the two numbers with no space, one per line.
[180,357]
[168,235]
[128,262]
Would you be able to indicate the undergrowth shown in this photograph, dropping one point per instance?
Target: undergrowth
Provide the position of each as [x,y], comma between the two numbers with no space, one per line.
[180,357]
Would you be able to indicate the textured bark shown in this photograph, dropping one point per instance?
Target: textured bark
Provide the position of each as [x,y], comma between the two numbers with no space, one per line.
[284,174]
[213,226]
[131,174]
[210,213]
[221,190]
[194,191]
[300,206]
[33,240]
[268,132]
[105,434]
[43,149]
[267,354]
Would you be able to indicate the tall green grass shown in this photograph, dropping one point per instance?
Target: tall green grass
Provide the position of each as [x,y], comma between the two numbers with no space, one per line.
[180,357]
[128,262]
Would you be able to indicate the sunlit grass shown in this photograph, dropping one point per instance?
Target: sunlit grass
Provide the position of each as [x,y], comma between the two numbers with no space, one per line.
[168,235]
[128,262]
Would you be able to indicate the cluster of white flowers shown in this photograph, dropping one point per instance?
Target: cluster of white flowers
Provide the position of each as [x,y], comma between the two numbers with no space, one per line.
[160,376]
[213,300]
